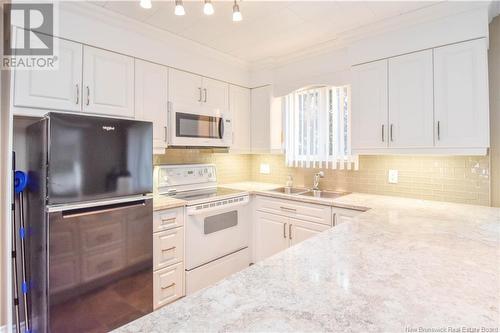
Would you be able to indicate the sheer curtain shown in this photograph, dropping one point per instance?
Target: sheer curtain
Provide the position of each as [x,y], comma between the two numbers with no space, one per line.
[317,128]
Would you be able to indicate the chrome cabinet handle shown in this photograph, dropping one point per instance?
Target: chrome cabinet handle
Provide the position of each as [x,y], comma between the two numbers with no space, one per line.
[199,95]
[290,231]
[88,96]
[383,136]
[165,134]
[288,209]
[206,95]
[439,130]
[284,230]
[334,219]
[390,130]
[77,94]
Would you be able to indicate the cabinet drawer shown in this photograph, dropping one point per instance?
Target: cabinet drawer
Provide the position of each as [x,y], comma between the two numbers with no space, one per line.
[168,219]
[168,247]
[295,209]
[168,285]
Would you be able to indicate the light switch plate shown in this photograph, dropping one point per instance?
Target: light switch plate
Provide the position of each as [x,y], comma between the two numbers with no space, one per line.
[265,168]
[393,176]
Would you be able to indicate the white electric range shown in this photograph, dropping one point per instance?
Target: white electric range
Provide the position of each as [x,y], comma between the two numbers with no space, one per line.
[218,229]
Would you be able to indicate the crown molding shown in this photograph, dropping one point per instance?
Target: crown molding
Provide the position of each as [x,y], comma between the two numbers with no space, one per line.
[102,14]
[346,38]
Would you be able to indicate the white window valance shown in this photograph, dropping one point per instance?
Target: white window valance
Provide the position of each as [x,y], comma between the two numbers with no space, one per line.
[318,128]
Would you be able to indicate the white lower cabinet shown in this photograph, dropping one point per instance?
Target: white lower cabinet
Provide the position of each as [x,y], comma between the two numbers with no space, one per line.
[168,285]
[168,256]
[299,230]
[280,223]
[342,215]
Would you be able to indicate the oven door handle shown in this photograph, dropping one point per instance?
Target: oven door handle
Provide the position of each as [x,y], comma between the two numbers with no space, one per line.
[192,211]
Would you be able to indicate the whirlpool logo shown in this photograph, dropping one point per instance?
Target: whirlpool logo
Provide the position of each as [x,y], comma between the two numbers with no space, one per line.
[108,128]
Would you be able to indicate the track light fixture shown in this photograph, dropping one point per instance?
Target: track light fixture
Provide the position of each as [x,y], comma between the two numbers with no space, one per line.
[208,8]
[179,8]
[236,12]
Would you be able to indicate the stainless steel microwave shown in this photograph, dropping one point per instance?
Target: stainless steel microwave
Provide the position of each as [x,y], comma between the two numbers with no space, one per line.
[192,129]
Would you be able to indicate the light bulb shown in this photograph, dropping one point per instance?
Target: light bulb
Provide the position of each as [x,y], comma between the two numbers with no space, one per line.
[236,13]
[179,8]
[145,4]
[208,8]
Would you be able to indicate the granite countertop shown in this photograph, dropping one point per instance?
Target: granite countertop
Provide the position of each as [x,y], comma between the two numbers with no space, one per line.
[161,202]
[404,264]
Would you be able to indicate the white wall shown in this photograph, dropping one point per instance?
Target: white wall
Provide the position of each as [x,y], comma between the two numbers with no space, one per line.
[96,26]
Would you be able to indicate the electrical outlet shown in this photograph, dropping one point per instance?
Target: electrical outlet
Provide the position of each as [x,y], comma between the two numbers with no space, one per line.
[393,176]
[265,168]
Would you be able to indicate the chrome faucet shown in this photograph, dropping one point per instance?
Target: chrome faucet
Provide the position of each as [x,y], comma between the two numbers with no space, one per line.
[317,176]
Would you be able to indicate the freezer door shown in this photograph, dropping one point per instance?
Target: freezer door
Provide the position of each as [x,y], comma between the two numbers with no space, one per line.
[100,267]
[92,158]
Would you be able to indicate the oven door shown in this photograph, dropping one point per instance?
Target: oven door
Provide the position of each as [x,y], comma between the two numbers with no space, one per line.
[215,233]
[200,130]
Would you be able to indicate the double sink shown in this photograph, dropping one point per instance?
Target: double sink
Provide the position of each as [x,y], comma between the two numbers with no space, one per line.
[308,193]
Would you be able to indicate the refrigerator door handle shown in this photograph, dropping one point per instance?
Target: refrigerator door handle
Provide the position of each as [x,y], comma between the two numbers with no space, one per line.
[101,210]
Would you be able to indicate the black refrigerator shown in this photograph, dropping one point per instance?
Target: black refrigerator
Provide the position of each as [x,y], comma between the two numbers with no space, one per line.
[89,222]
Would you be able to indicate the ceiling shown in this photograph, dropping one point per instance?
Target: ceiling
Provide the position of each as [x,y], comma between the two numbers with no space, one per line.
[269,28]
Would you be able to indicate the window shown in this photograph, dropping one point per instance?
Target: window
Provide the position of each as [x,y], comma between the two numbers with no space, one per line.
[317,128]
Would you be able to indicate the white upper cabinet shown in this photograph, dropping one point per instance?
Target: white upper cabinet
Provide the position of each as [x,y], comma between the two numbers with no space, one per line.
[369,105]
[215,96]
[108,80]
[59,89]
[196,94]
[151,99]
[432,101]
[239,107]
[185,90]
[266,121]
[461,95]
[411,100]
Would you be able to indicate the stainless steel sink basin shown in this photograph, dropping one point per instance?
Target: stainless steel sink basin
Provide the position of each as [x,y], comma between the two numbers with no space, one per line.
[289,190]
[324,194]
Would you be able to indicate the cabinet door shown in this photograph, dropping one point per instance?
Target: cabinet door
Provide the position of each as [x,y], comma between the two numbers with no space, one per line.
[411,105]
[344,215]
[108,80]
[59,89]
[151,98]
[185,90]
[239,107]
[272,234]
[168,285]
[260,124]
[461,95]
[369,105]
[215,96]
[301,230]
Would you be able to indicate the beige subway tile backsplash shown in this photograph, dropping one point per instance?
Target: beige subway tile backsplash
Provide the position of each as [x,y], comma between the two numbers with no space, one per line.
[463,179]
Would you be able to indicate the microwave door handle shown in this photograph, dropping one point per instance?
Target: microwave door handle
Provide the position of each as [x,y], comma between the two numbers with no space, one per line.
[221,128]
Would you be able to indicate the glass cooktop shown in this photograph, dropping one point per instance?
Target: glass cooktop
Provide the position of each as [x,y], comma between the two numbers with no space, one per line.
[204,194]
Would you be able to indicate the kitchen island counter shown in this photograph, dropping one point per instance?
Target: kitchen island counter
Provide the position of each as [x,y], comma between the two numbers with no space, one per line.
[404,264]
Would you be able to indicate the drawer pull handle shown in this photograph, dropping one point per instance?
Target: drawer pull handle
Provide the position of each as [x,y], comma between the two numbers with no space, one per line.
[169,249]
[288,209]
[169,286]
[168,221]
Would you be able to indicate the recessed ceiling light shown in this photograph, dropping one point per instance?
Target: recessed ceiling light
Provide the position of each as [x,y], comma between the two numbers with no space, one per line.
[179,8]
[208,8]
